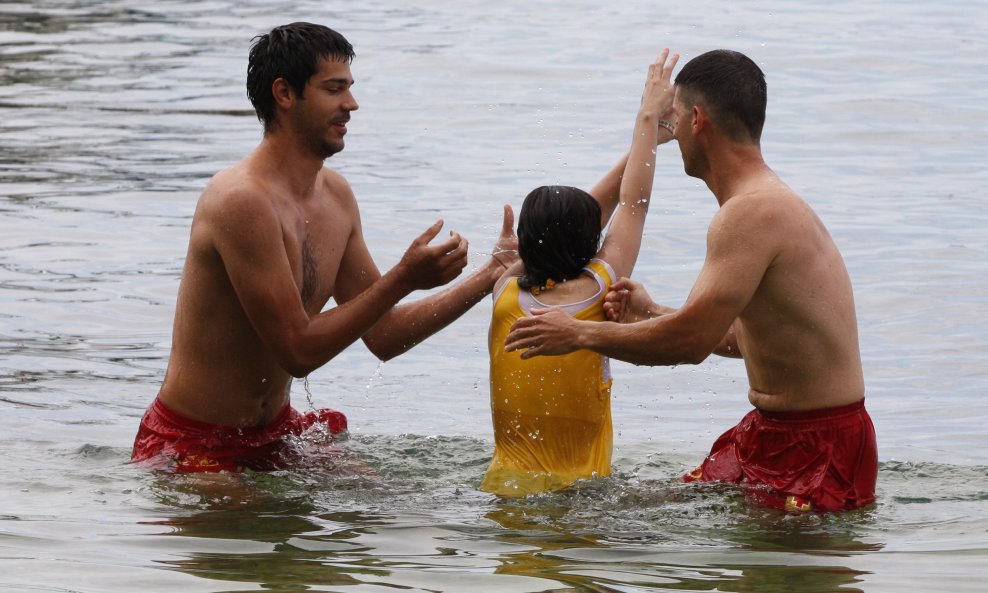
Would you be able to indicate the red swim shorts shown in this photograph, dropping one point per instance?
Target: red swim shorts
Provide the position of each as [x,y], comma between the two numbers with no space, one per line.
[167,439]
[821,460]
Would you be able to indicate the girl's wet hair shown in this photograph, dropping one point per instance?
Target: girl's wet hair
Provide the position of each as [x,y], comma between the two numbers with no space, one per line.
[291,52]
[558,234]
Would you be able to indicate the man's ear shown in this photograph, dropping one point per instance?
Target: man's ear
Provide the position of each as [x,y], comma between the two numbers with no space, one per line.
[699,119]
[283,93]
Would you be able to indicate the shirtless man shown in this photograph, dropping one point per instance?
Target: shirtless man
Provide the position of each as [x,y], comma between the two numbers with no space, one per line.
[273,238]
[773,290]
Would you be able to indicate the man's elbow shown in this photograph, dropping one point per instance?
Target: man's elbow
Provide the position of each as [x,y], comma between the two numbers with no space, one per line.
[684,352]
[696,350]
[696,357]
[299,361]
[384,350]
[383,354]
[298,368]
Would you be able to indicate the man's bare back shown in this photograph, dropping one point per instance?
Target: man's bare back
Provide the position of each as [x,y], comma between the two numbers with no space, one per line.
[797,333]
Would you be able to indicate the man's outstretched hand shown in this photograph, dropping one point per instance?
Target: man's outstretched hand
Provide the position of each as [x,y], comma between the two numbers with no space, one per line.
[428,266]
[548,332]
[628,302]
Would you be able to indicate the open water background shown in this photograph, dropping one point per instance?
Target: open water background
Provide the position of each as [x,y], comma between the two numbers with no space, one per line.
[113,115]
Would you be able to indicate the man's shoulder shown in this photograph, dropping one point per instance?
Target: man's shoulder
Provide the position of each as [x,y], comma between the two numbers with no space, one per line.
[764,221]
[330,175]
[238,181]
[334,182]
[233,193]
[336,189]
[773,202]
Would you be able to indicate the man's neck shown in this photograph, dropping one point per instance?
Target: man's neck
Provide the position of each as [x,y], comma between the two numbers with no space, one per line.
[284,159]
[734,170]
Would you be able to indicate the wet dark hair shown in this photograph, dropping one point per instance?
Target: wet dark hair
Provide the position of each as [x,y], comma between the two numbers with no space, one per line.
[291,52]
[732,88]
[558,233]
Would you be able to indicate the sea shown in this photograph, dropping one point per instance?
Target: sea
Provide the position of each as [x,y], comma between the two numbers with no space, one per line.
[115,114]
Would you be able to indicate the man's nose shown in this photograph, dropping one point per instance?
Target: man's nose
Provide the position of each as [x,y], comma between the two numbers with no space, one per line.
[351,102]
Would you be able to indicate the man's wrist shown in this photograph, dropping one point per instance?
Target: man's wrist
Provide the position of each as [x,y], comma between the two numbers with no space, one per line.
[501,261]
[403,278]
[656,310]
[584,335]
[492,269]
[499,255]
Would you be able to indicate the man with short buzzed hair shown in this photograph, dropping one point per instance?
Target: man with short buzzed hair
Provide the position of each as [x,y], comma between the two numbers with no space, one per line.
[773,290]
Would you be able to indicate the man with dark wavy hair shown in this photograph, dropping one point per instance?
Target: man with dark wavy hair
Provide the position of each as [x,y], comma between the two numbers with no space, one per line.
[773,290]
[273,238]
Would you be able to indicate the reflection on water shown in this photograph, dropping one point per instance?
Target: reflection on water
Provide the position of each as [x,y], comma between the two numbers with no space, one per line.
[316,528]
[280,547]
[416,520]
[723,545]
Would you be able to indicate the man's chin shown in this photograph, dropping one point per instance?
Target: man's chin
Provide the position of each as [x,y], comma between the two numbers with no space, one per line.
[331,149]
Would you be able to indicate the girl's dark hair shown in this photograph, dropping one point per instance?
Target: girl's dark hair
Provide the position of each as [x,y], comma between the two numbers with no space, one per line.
[732,87]
[291,52]
[558,233]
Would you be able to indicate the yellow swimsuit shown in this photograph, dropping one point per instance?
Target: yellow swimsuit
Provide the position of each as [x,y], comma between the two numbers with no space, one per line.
[552,414]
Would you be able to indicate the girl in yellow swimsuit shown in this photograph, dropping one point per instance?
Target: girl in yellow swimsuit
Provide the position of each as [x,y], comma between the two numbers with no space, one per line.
[551,414]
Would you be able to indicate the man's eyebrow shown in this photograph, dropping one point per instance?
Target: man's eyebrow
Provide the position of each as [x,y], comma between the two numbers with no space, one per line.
[340,80]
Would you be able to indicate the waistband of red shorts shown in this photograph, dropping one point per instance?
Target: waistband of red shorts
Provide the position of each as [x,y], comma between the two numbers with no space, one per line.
[836,413]
[192,425]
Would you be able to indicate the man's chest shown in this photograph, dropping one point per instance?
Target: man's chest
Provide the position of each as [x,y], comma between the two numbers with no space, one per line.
[315,252]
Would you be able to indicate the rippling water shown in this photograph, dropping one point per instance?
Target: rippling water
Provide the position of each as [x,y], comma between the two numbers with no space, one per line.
[115,114]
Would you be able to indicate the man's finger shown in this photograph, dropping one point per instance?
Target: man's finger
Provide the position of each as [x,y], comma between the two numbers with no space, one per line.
[450,245]
[512,344]
[457,258]
[670,65]
[621,284]
[520,325]
[527,344]
[612,313]
[508,225]
[520,334]
[531,352]
[431,232]
[462,245]
[660,62]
